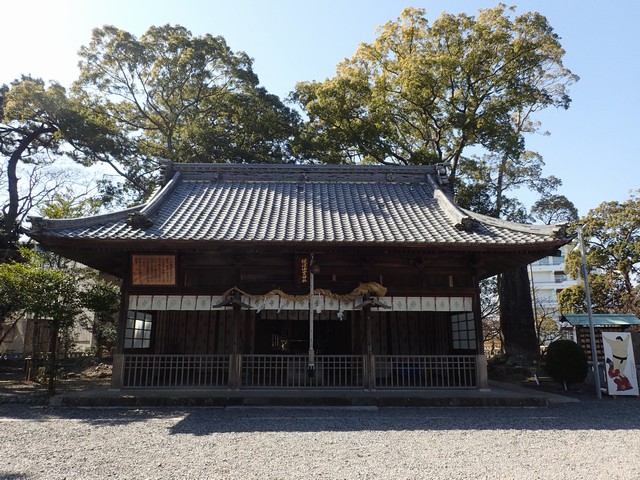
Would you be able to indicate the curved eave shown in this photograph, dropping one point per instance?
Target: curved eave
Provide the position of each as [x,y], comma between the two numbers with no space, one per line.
[39,225]
[466,219]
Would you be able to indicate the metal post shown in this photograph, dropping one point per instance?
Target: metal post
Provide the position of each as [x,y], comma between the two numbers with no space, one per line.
[592,333]
[311,368]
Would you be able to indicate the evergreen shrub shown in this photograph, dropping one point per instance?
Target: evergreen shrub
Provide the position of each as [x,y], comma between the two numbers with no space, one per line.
[566,362]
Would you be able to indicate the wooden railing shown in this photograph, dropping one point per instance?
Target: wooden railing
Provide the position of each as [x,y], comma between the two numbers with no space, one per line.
[291,371]
[171,371]
[432,371]
[338,371]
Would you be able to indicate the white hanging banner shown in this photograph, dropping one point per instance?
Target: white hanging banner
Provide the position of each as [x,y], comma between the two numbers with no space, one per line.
[277,303]
[456,304]
[414,304]
[174,302]
[203,302]
[331,304]
[188,302]
[622,378]
[159,302]
[133,302]
[144,302]
[443,304]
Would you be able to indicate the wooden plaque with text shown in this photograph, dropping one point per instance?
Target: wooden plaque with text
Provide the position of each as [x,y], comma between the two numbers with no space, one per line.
[153,269]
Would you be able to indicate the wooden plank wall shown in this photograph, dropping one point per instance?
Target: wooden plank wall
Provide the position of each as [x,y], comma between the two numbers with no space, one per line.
[392,333]
[410,333]
[202,332]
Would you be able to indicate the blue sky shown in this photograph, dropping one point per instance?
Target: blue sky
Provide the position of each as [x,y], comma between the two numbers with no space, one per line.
[592,146]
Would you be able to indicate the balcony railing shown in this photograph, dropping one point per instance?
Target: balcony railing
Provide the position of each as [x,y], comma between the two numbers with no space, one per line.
[291,371]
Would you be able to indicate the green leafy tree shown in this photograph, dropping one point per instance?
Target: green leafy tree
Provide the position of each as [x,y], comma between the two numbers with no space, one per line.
[40,124]
[485,184]
[423,93]
[611,235]
[66,203]
[102,298]
[607,296]
[31,114]
[54,290]
[554,209]
[47,294]
[183,98]
[549,210]
[98,295]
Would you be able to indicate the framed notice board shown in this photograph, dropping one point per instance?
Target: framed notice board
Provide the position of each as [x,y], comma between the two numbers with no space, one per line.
[153,269]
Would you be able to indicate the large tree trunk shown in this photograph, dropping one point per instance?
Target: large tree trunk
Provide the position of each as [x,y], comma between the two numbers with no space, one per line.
[516,314]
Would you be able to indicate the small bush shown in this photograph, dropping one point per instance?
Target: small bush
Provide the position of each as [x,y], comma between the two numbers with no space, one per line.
[566,362]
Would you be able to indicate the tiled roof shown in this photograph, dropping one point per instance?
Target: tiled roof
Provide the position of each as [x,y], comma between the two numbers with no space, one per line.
[299,204]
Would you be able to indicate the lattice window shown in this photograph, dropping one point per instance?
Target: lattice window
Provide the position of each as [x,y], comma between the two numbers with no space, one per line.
[138,331]
[463,331]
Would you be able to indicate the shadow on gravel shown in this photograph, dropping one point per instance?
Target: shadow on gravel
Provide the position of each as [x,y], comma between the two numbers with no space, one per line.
[607,414]
[13,476]
[98,416]
[200,423]
[618,414]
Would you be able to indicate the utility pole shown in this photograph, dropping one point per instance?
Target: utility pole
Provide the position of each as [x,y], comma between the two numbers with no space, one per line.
[592,333]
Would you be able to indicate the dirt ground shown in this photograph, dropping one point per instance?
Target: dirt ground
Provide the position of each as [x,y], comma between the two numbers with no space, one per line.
[78,374]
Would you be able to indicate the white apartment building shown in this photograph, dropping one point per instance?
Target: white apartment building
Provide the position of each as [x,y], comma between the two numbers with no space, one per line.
[547,278]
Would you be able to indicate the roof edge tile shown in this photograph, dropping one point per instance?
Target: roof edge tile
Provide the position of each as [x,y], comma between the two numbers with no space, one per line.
[40,224]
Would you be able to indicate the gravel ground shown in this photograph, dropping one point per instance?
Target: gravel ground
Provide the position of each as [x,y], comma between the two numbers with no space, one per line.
[591,439]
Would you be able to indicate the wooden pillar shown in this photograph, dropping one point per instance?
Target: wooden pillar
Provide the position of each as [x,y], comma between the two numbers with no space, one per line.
[370,367]
[481,372]
[482,375]
[235,365]
[117,376]
[122,321]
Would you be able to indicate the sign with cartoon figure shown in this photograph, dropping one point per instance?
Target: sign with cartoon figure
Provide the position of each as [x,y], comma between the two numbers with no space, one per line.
[620,364]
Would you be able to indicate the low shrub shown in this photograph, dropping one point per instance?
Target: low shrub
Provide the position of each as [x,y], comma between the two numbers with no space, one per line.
[566,362]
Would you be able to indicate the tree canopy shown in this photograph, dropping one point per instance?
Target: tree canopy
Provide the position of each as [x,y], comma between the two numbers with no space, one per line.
[183,98]
[611,235]
[39,123]
[554,209]
[485,184]
[423,93]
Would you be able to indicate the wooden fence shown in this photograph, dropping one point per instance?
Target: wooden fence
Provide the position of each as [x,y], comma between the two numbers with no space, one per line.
[291,371]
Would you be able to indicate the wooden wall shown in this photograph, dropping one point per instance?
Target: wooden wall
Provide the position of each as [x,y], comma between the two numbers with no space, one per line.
[200,333]
[404,333]
[257,271]
[392,333]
